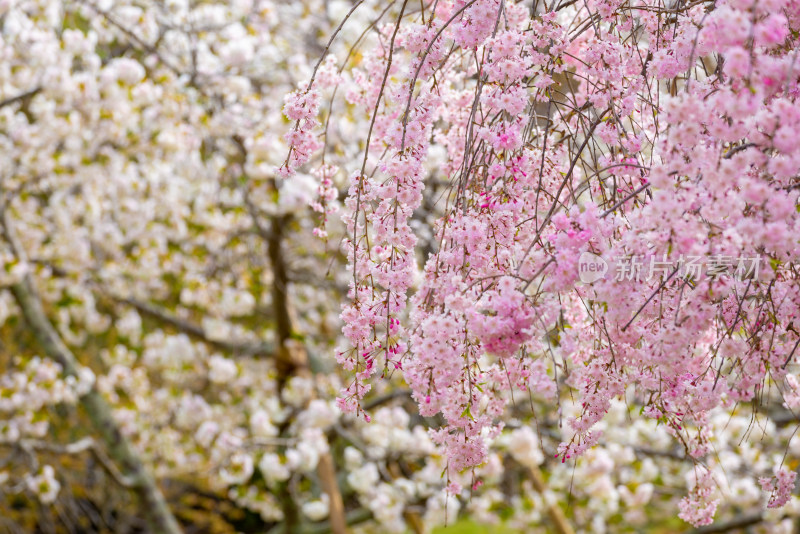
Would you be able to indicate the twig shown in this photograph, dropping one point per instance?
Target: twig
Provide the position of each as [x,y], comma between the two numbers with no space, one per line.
[20,97]
[238,347]
[85,444]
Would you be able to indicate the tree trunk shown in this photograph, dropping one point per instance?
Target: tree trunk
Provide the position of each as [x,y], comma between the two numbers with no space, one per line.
[293,361]
[555,512]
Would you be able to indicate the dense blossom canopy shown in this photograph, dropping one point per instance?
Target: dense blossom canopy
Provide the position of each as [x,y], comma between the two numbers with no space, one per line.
[571,231]
[656,142]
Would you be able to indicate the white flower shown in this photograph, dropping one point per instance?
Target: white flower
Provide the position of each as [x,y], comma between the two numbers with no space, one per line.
[297,391]
[235,303]
[44,485]
[363,479]
[216,329]
[206,433]
[261,426]
[86,380]
[125,70]
[9,431]
[273,469]
[237,52]
[352,458]
[317,510]
[303,458]
[221,370]
[524,447]
[387,504]
[130,326]
[239,469]
[320,414]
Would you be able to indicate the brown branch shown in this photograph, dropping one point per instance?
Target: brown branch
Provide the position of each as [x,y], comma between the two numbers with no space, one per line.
[240,348]
[388,397]
[85,444]
[292,357]
[560,522]
[740,522]
[20,98]
[243,348]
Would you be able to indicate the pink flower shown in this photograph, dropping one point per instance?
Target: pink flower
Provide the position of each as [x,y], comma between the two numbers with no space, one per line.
[779,487]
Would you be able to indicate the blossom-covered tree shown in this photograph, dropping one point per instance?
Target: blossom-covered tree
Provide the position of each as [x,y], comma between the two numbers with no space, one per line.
[619,216]
[170,296]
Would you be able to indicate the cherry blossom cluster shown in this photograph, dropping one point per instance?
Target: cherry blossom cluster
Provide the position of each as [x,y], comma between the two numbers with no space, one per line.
[780,487]
[590,129]
[301,107]
[698,507]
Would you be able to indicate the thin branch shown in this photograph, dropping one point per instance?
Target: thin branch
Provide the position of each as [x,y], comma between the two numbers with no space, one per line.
[78,447]
[388,397]
[740,522]
[21,97]
[244,348]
